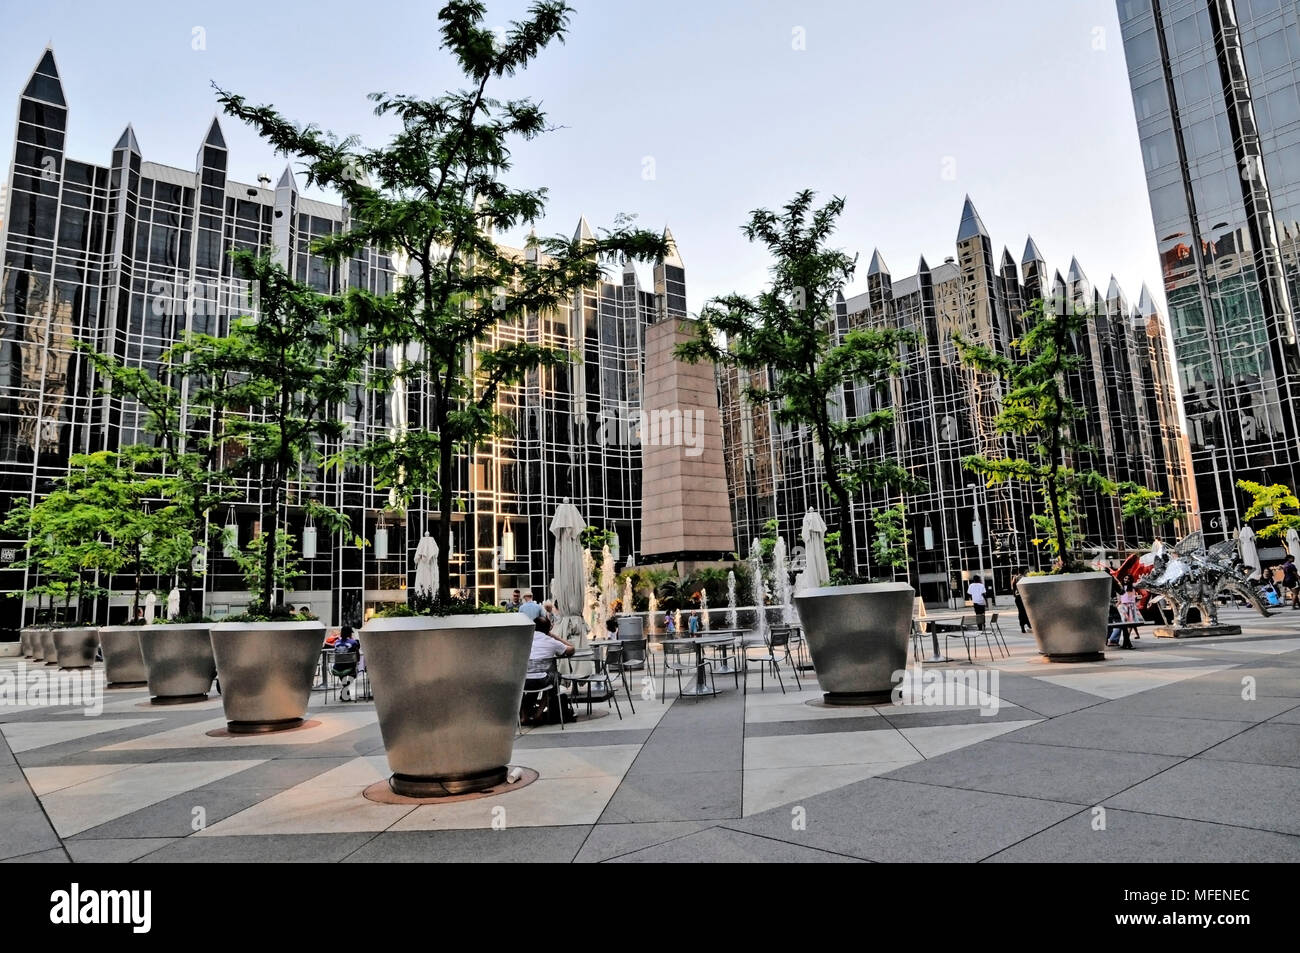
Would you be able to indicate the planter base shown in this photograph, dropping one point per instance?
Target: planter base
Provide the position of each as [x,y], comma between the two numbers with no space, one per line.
[1195,631]
[263,727]
[177,699]
[407,786]
[113,685]
[1076,657]
[857,698]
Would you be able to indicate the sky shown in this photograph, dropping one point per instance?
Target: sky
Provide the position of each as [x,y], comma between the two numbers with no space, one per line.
[689,113]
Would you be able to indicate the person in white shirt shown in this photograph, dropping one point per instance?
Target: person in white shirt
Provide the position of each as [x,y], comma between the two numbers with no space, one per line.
[530,608]
[546,649]
[977,601]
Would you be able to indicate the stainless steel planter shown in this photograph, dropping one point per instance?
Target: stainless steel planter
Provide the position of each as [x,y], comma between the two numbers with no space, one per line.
[76,647]
[1068,614]
[858,638]
[25,638]
[49,651]
[123,661]
[36,644]
[179,660]
[266,671]
[447,692]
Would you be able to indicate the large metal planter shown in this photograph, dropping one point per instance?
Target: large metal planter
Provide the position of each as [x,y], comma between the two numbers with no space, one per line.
[49,651]
[76,648]
[447,693]
[1069,613]
[178,657]
[858,638]
[123,661]
[30,641]
[266,671]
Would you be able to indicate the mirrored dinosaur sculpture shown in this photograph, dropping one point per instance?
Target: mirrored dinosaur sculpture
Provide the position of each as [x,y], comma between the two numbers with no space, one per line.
[1194,576]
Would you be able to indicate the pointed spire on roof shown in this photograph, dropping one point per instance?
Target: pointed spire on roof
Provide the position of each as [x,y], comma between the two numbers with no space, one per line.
[127,141]
[583,232]
[922,266]
[1008,263]
[1075,273]
[878,266]
[673,257]
[1058,283]
[1114,292]
[214,137]
[287,180]
[44,83]
[971,224]
[1146,306]
[1031,252]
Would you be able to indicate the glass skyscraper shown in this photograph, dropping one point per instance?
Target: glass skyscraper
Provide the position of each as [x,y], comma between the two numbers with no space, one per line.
[1216,91]
[131,255]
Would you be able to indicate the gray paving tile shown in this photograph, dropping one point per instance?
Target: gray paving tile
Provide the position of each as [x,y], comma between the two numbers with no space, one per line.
[121,851]
[666,796]
[1273,679]
[1269,743]
[1138,838]
[815,726]
[174,817]
[684,750]
[1149,734]
[512,845]
[898,821]
[24,830]
[1228,792]
[904,718]
[1077,775]
[1176,701]
[577,739]
[267,848]
[1291,717]
[55,855]
[1047,700]
[721,846]
[611,840]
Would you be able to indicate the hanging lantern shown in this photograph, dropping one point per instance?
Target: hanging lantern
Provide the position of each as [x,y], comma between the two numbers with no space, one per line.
[230,536]
[977,532]
[508,543]
[381,541]
[927,536]
[309,540]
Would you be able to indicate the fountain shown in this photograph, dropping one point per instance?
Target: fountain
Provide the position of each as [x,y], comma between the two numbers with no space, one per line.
[781,578]
[704,609]
[756,572]
[628,605]
[677,624]
[731,599]
[606,593]
[653,611]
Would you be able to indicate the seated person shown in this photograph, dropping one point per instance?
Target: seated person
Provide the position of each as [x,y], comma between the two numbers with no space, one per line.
[611,628]
[541,669]
[347,672]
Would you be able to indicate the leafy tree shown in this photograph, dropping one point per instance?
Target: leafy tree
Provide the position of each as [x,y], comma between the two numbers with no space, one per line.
[1147,506]
[273,384]
[435,194]
[892,536]
[1276,502]
[1038,408]
[789,331]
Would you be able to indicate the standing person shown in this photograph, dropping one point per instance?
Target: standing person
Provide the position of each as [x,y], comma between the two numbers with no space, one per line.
[548,610]
[514,601]
[1128,606]
[976,592]
[531,608]
[1291,580]
[693,624]
[1021,614]
[670,627]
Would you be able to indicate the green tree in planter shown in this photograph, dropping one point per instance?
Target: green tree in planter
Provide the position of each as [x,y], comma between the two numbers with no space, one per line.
[183,487]
[789,332]
[1038,408]
[273,385]
[889,548]
[1147,506]
[1276,502]
[435,195]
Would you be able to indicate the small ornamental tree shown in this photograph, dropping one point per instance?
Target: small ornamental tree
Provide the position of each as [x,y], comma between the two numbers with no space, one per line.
[1037,407]
[1275,502]
[789,332]
[273,385]
[434,196]
[1147,506]
[892,536]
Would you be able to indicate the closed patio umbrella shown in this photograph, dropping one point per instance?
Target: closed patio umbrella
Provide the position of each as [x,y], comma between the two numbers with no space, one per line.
[426,566]
[818,573]
[570,586]
[150,607]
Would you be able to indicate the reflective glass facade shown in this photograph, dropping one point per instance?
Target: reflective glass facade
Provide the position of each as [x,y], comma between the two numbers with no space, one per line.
[132,254]
[945,411]
[1216,91]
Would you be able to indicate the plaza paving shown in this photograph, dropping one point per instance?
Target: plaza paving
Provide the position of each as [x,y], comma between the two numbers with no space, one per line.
[1161,739]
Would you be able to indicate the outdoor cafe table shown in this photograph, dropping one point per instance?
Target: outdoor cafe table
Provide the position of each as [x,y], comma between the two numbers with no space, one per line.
[941,625]
[720,636]
[699,642]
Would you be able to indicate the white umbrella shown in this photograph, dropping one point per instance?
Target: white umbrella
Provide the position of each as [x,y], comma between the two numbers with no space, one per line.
[426,566]
[818,573]
[150,606]
[569,585]
[1249,551]
[1293,542]
[174,603]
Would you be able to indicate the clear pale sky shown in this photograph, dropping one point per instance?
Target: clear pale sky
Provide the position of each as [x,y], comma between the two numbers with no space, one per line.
[1024,104]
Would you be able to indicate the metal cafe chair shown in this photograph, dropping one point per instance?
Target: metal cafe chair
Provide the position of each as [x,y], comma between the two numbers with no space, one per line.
[962,631]
[600,678]
[361,678]
[679,657]
[538,694]
[636,656]
[778,638]
[997,634]
[724,656]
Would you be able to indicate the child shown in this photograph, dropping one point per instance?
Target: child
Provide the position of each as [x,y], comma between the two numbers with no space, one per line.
[693,624]
[1128,606]
[670,627]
